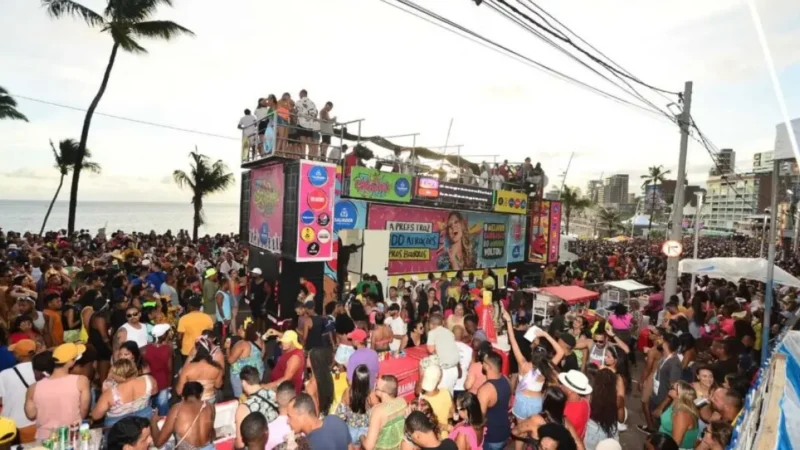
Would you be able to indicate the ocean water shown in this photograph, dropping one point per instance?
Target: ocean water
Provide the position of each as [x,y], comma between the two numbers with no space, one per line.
[27,215]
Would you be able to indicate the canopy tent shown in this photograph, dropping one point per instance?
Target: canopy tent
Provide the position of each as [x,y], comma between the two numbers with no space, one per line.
[620,238]
[628,285]
[734,269]
[571,294]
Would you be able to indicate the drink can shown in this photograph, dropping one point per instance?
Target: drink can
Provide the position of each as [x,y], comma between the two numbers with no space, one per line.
[48,444]
[63,437]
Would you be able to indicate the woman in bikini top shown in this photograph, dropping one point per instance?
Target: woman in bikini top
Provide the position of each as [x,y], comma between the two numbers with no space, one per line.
[191,422]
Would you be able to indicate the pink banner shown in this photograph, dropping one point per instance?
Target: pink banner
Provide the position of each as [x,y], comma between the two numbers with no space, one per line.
[315,203]
[555,232]
[266,207]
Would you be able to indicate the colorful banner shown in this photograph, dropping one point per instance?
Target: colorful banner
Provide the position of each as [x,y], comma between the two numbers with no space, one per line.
[515,239]
[429,240]
[555,232]
[510,202]
[539,232]
[315,203]
[349,215]
[373,184]
[266,207]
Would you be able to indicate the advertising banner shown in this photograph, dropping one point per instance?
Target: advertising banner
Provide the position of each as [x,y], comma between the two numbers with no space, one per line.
[539,235]
[349,215]
[373,184]
[555,232]
[510,202]
[445,193]
[315,203]
[429,240]
[515,239]
[266,208]
[427,188]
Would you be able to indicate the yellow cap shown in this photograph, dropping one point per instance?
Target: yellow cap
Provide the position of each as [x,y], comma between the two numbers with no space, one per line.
[290,337]
[65,353]
[8,430]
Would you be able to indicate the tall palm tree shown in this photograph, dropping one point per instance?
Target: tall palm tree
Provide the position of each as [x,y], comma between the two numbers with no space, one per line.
[654,176]
[126,21]
[66,157]
[610,218]
[8,107]
[205,178]
[571,200]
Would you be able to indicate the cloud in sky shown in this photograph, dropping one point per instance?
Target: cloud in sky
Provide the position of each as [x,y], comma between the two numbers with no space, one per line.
[399,73]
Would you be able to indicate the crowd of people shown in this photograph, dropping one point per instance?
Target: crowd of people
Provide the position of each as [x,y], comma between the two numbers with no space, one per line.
[142,335]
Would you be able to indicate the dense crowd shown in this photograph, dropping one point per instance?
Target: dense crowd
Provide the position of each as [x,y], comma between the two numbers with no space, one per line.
[141,334]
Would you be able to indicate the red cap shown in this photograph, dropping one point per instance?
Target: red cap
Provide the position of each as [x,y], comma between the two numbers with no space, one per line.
[358,335]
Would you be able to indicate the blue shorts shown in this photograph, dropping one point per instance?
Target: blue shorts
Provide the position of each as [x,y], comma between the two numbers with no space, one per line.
[281,122]
[525,406]
[356,433]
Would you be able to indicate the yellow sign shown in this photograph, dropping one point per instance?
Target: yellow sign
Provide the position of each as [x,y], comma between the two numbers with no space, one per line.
[510,202]
[409,254]
[307,234]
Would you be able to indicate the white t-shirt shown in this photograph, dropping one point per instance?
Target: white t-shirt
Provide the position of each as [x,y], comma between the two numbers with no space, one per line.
[13,391]
[484,179]
[278,429]
[307,114]
[444,342]
[248,125]
[398,328]
[464,360]
[497,181]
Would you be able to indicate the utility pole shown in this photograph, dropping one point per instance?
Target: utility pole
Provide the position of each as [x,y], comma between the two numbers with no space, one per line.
[676,234]
[773,236]
[699,196]
[564,178]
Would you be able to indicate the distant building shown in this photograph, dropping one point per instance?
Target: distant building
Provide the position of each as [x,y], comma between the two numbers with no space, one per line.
[762,162]
[614,190]
[726,207]
[553,194]
[593,189]
[726,161]
[632,199]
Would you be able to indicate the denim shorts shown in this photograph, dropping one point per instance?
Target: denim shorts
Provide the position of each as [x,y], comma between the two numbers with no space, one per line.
[525,406]
[356,433]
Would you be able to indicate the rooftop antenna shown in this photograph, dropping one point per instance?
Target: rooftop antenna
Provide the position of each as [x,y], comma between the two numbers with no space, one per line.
[564,178]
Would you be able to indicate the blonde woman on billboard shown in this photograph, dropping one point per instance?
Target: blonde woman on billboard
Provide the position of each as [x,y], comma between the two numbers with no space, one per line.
[458,244]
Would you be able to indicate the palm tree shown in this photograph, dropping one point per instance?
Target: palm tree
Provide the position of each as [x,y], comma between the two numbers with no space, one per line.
[610,218]
[65,157]
[126,21]
[8,107]
[205,178]
[571,200]
[656,174]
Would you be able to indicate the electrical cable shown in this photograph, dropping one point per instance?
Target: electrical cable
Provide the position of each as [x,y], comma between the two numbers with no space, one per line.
[507,51]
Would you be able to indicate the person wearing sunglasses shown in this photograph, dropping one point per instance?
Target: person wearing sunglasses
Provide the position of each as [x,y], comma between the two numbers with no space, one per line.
[680,420]
[132,330]
[420,434]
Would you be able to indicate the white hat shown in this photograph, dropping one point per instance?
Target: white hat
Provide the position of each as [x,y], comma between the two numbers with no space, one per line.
[414,278]
[608,444]
[12,246]
[575,381]
[160,330]
[146,262]
[256,271]
[431,376]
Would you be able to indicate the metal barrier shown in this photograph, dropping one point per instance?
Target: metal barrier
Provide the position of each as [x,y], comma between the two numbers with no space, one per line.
[287,139]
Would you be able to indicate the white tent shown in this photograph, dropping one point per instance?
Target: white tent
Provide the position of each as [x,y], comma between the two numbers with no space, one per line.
[734,269]
[628,285]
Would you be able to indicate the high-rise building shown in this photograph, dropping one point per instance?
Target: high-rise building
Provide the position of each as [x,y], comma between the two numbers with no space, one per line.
[732,199]
[593,190]
[726,162]
[615,189]
[553,194]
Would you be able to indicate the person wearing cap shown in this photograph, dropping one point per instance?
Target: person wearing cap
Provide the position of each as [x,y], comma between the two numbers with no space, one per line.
[291,362]
[60,399]
[440,399]
[258,292]
[362,355]
[210,288]
[576,386]
[192,324]
[13,384]
[158,357]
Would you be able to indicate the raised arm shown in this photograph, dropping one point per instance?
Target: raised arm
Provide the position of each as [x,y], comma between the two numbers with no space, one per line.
[521,361]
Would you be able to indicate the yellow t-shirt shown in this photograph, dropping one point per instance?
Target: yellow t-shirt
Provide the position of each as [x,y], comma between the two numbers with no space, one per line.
[192,326]
[441,403]
[339,386]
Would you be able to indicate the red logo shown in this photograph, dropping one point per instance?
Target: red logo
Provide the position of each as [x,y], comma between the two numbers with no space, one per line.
[317,200]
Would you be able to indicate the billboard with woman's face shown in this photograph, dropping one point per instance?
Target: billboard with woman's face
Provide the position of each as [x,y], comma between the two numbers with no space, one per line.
[431,240]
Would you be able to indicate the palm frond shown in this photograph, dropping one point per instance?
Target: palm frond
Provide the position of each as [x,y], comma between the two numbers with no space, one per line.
[61,8]
[182,180]
[11,113]
[91,167]
[133,10]
[159,29]
[123,38]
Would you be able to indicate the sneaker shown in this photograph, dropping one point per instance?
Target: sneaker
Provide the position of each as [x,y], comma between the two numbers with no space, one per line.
[644,429]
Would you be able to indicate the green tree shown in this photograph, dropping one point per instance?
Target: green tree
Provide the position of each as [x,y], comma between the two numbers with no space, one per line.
[571,200]
[610,219]
[66,157]
[126,21]
[8,107]
[204,179]
[654,176]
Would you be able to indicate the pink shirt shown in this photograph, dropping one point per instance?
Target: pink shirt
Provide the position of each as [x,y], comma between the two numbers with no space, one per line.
[57,404]
[472,438]
[620,323]
[476,371]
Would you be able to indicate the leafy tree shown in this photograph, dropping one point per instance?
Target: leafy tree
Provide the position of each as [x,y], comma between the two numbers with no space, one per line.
[8,107]
[654,176]
[204,179]
[571,200]
[610,219]
[126,21]
[66,157]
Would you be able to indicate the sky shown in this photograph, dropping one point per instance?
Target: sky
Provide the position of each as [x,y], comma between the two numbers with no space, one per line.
[400,74]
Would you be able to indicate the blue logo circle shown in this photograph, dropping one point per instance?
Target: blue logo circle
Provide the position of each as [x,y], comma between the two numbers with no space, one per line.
[307,217]
[402,187]
[523,204]
[515,252]
[318,176]
[345,215]
[263,233]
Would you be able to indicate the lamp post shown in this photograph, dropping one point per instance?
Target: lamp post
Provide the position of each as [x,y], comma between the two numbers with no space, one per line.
[763,232]
[696,232]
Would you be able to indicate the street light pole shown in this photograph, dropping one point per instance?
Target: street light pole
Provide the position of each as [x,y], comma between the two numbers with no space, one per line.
[763,233]
[773,236]
[685,122]
[699,196]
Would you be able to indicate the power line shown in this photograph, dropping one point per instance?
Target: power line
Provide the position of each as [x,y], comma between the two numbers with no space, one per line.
[580,49]
[505,50]
[128,119]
